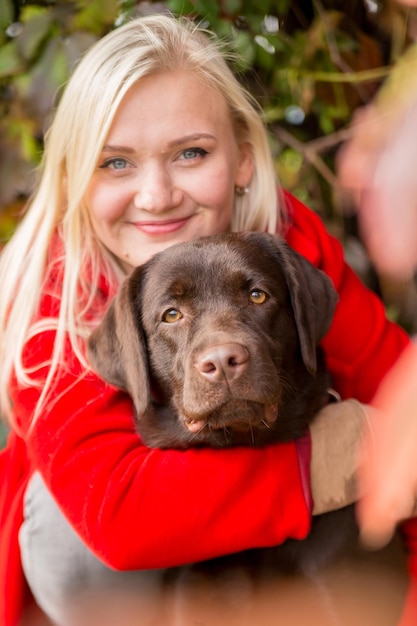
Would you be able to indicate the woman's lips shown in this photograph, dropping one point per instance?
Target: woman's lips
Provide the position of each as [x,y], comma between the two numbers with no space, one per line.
[161,228]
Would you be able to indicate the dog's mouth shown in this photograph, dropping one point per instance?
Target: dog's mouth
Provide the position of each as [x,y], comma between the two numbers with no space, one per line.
[244,417]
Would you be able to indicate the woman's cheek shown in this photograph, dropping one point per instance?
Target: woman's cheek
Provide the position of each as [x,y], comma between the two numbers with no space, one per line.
[104,202]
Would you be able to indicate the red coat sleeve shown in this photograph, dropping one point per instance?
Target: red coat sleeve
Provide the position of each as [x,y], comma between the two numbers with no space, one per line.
[362,344]
[139,508]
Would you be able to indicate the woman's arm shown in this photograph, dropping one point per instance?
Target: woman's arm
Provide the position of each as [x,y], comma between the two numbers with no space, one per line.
[141,508]
[138,508]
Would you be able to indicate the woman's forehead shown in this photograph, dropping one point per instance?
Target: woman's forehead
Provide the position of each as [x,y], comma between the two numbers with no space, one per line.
[171,106]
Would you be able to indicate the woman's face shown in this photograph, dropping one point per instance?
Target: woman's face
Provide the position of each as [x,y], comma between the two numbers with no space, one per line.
[168,170]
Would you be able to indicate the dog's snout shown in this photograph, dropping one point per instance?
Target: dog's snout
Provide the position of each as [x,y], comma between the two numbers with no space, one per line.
[223,362]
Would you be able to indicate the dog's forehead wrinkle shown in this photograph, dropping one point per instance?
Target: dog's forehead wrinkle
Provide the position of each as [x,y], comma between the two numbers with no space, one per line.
[201,277]
[238,269]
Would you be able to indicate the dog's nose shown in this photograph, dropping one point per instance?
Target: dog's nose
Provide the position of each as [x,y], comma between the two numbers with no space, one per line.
[223,362]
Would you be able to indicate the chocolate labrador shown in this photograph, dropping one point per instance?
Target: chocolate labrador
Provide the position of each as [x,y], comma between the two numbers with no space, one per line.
[217,342]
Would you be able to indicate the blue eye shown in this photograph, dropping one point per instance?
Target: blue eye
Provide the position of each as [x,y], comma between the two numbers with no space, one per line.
[115,164]
[193,153]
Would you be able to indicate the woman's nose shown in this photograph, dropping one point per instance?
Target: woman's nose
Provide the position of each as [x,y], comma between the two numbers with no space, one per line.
[155,191]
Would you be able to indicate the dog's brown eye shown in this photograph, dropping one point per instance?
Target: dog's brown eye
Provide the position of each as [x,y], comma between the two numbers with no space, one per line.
[257,296]
[171,315]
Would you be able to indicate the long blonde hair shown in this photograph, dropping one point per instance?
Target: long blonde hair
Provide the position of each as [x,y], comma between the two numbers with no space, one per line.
[142,47]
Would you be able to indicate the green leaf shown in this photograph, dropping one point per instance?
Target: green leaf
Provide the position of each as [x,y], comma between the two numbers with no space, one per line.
[29,12]
[95,14]
[28,143]
[207,8]
[10,61]
[6,14]
[180,7]
[261,7]
[326,122]
[223,29]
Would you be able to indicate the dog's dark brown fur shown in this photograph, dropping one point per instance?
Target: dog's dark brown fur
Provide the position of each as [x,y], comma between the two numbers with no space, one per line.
[216,340]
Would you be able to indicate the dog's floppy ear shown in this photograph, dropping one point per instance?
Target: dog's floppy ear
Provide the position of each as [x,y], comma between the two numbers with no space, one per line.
[116,348]
[313,299]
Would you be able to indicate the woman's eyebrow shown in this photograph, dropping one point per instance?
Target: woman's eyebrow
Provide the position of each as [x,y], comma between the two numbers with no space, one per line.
[188,138]
[111,148]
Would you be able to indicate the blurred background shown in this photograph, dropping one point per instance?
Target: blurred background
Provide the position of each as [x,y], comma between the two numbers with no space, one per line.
[310,63]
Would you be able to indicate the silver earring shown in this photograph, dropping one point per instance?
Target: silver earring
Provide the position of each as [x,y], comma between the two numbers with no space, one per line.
[240,191]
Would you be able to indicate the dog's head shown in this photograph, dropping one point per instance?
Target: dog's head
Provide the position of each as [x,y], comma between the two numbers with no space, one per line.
[223,330]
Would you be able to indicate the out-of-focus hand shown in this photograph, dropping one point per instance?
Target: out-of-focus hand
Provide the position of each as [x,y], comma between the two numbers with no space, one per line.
[388,472]
[381,174]
[377,167]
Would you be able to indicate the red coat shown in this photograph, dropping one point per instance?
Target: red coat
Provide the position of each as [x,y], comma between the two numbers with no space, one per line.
[139,508]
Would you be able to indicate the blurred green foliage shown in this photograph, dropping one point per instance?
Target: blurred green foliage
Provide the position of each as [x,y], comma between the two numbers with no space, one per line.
[309,63]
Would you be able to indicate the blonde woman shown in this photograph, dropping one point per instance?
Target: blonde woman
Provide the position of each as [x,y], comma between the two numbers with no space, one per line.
[154,142]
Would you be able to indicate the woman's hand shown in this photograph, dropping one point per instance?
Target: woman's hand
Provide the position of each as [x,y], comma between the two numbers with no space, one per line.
[337,435]
[377,168]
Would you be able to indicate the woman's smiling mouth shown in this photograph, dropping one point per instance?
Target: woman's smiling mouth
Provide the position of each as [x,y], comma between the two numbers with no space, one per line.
[161,227]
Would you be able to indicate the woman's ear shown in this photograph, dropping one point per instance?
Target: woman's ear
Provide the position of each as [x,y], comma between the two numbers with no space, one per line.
[246,166]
